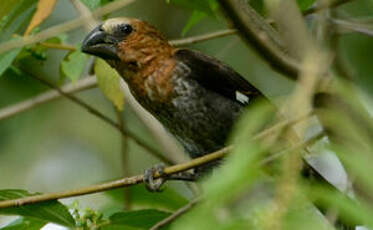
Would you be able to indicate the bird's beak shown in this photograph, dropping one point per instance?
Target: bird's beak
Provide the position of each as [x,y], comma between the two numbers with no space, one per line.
[98,43]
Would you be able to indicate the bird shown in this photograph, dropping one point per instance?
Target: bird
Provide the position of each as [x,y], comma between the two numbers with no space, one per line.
[196,97]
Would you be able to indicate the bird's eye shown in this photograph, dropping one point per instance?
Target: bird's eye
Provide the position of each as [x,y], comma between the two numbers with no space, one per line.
[126,29]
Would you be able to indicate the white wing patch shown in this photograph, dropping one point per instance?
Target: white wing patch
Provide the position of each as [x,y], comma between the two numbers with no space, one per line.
[242,98]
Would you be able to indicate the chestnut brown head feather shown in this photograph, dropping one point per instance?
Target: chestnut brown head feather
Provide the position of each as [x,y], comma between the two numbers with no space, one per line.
[136,49]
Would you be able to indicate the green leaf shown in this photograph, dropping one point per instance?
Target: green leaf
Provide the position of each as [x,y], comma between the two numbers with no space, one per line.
[51,211]
[143,219]
[167,199]
[305,4]
[23,223]
[357,51]
[6,7]
[348,209]
[196,17]
[73,65]
[108,80]
[17,14]
[7,58]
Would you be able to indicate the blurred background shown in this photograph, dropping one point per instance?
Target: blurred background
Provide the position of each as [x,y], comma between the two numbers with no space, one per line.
[59,145]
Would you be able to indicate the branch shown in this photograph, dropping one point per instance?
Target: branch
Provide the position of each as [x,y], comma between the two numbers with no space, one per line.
[175,215]
[260,35]
[108,120]
[125,182]
[203,37]
[124,155]
[83,84]
[366,29]
[58,46]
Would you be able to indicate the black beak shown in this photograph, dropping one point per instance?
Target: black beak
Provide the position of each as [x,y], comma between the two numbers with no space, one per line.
[100,44]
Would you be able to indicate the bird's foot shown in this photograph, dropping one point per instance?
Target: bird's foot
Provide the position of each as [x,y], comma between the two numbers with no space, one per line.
[154,185]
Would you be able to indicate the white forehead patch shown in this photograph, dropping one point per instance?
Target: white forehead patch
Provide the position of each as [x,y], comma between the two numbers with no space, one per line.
[110,24]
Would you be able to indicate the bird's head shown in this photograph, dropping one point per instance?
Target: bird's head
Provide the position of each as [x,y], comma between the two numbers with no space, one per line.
[127,42]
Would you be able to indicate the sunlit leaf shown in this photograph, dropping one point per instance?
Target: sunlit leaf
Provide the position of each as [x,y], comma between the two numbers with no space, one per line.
[108,81]
[23,223]
[45,8]
[73,65]
[51,211]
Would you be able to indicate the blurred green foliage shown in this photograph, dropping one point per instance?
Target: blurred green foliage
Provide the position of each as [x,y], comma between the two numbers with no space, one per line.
[58,146]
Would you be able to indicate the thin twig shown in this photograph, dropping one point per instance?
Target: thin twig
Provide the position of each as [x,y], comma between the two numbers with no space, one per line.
[155,128]
[83,84]
[175,215]
[125,182]
[58,46]
[85,12]
[366,29]
[108,120]
[203,37]
[124,155]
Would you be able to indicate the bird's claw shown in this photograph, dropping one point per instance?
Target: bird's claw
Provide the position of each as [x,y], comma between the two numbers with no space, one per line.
[152,184]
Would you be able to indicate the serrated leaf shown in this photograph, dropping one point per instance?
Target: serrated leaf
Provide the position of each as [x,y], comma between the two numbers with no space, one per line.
[108,81]
[143,219]
[23,223]
[51,211]
[73,65]
[44,9]
[195,18]
[6,59]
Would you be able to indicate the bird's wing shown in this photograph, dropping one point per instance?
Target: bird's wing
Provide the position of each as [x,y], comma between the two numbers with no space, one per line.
[217,76]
